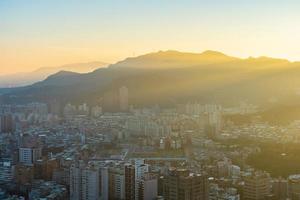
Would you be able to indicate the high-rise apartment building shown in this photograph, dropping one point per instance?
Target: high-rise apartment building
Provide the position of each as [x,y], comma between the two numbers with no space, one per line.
[280,188]
[84,182]
[116,182]
[140,170]
[148,187]
[294,187]
[104,183]
[181,184]
[6,170]
[257,186]
[29,155]
[129,182]
[6,123]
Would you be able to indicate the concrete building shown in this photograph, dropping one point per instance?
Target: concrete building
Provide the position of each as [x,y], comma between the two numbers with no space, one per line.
[84,182]
[129,182]
[294,187]
[6,170]
[28,156]
[148,186]
[116,182]
[6,123]
[104,183]
[280,188]
[43,169]
[181,184]
[257,186]
[140,170]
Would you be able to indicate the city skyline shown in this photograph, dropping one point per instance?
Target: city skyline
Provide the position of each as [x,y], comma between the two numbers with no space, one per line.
[149,100]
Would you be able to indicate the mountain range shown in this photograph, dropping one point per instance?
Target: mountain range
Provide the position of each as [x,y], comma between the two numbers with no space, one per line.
[27,78]
[172,77]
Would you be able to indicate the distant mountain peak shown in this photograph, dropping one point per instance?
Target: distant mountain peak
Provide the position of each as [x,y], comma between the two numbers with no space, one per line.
[174,59]
[60,75]
[179,53]
[27,78]
[213,53]
[83,67]
[64,73]
[268,59]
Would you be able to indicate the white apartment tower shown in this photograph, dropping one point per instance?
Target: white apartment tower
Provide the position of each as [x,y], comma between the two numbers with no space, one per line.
[84,182]
[140,170]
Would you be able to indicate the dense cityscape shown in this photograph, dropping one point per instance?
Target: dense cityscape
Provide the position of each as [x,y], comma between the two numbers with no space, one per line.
[191,151]
[149,100]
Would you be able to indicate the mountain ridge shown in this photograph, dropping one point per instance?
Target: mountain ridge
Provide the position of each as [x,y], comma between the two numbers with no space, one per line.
[169,77]
[167,58]
[27,78]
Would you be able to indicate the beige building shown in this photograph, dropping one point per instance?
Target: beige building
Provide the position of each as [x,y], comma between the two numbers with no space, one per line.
[257,186]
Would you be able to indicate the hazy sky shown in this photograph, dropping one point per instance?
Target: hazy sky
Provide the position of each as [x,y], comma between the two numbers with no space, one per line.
[35,33]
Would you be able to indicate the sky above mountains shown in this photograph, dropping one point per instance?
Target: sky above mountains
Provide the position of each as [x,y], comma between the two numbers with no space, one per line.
[54,32]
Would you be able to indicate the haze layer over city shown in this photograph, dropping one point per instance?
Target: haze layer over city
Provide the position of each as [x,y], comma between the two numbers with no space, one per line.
[149,100]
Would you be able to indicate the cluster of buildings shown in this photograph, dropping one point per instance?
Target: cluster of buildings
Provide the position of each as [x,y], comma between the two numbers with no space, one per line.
[83,152]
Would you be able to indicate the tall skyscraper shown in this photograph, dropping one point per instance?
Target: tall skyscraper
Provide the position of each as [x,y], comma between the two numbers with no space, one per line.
[123,98]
